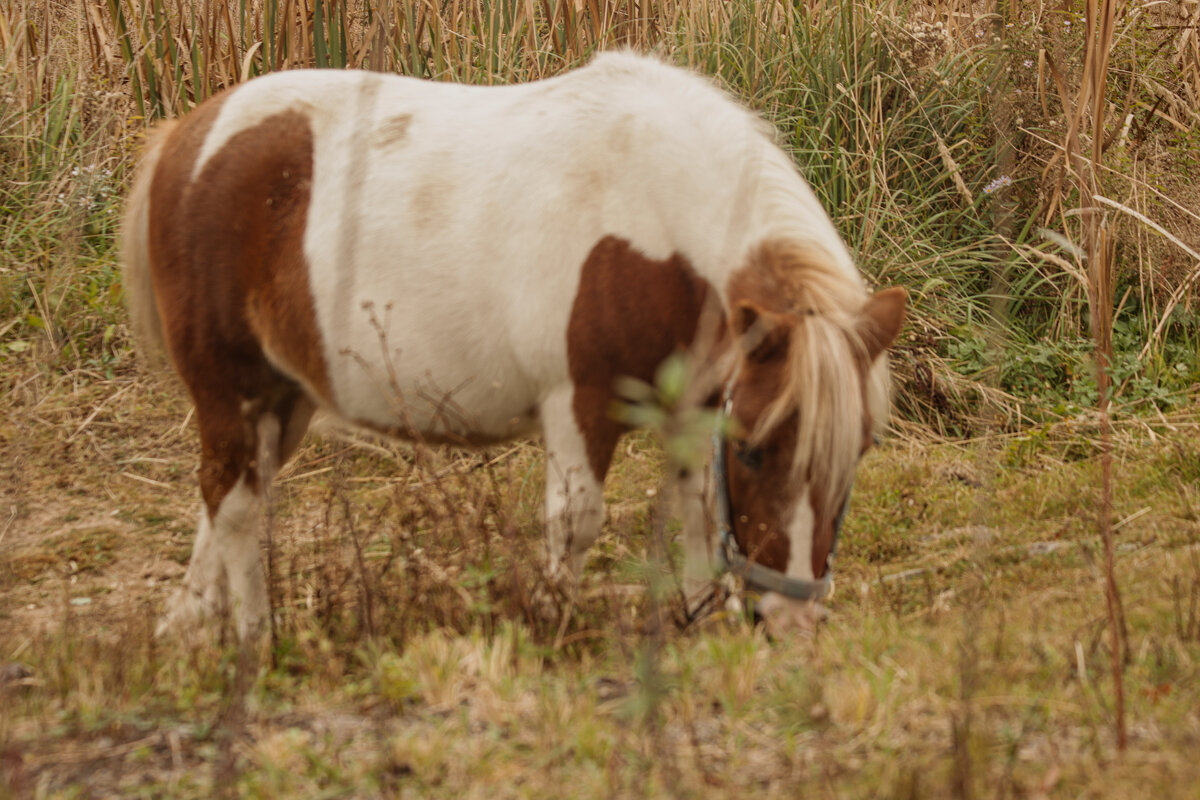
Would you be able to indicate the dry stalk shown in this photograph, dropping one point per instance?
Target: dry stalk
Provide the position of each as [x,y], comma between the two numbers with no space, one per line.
[1098,244]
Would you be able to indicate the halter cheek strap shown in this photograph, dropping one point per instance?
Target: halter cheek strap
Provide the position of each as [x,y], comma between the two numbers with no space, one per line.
[758,576]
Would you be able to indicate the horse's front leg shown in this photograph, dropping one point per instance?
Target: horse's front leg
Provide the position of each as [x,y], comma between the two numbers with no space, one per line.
[580,438]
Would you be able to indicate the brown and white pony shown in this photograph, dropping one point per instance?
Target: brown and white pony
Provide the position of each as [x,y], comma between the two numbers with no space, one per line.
[366,244]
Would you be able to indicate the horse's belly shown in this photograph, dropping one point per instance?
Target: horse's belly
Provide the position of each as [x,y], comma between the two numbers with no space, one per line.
[439,385]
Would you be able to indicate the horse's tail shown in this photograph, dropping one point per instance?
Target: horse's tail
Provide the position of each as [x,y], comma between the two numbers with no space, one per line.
[135,253]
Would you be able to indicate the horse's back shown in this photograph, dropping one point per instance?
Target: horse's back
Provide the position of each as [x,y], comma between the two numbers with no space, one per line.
[387,236]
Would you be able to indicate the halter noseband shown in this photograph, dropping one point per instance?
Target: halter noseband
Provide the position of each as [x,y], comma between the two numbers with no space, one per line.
[758,576]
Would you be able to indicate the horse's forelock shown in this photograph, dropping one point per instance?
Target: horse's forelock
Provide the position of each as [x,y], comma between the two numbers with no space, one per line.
[823,386]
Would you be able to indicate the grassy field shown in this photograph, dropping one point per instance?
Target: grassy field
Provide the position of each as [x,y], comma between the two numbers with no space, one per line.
[965,655]
[968,650]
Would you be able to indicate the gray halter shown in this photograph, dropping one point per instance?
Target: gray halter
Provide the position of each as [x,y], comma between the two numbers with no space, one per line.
[755,575]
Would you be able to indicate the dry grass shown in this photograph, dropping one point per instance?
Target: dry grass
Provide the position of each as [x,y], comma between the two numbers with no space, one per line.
[967,646]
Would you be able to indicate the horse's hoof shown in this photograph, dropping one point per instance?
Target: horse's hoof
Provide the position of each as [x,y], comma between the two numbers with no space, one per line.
[250,628]
[550,598]
[185,612]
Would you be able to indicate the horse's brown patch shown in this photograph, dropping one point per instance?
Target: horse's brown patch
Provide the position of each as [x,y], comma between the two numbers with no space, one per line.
[232,283]
[762,285]
[630,313]
[766,492]
[392,131]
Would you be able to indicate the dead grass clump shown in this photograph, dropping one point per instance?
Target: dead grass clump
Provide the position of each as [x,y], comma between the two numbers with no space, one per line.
[399,540]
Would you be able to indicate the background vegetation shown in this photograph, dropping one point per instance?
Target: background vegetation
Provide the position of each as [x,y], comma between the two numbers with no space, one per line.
[958,151]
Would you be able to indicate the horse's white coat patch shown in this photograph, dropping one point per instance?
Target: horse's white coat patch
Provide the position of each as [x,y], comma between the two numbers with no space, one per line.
[225,572]
[574,497]
[236,538]
[801,527]
[698,562]
[268,450]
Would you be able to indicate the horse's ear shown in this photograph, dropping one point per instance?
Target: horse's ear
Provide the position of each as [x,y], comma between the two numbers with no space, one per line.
[764,334]
[881,320]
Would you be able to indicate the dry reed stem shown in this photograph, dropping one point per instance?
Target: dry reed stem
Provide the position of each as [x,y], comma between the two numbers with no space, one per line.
[1099,247]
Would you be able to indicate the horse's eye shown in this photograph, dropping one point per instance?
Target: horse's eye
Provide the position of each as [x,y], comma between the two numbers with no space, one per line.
[751,457]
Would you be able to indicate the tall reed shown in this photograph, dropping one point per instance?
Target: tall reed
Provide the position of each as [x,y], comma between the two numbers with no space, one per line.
[1083,145]
[887,107]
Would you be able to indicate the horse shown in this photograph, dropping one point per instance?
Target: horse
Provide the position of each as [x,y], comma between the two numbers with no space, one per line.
[360,243]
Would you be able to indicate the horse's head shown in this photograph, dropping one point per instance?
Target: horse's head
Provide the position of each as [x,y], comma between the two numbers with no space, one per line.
[805,396]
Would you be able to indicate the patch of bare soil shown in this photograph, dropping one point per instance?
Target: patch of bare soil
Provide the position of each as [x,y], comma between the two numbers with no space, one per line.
[96,503]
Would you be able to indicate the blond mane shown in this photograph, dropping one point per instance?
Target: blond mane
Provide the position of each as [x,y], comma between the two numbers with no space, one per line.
[823,379]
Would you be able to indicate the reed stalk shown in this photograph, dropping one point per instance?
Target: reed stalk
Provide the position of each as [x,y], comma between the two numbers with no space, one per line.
[1100,267]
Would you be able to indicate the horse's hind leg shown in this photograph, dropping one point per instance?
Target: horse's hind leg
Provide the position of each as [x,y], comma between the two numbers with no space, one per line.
[243,444]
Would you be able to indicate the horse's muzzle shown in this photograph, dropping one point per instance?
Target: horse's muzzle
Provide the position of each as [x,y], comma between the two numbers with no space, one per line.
[785,617]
